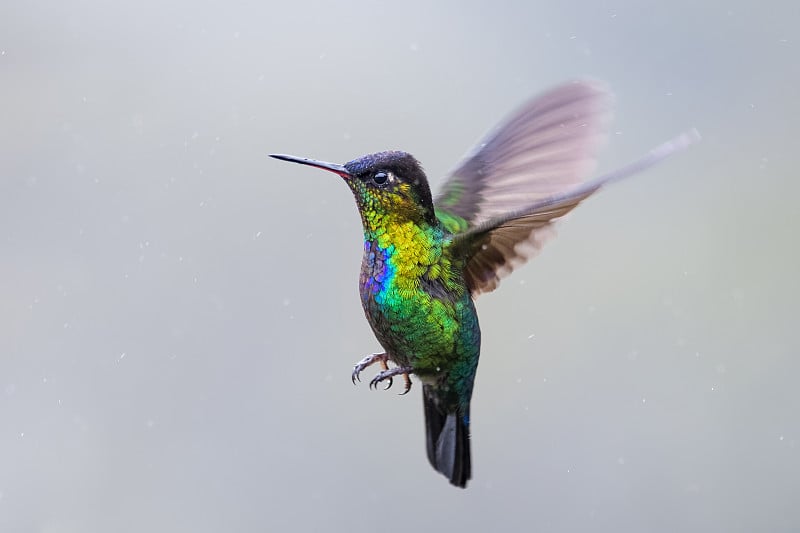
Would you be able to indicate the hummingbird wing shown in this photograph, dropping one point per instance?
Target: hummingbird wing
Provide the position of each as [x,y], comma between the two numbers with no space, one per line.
[497,246]
[545,148]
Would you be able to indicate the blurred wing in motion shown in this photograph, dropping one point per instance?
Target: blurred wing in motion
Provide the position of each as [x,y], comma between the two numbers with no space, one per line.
[498,245]
[502,200]
[544,149]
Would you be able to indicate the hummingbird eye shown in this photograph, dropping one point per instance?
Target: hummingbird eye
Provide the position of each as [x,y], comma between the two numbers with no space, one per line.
[380,178]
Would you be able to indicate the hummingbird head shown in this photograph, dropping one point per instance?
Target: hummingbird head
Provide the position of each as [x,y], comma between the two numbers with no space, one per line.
[388,186]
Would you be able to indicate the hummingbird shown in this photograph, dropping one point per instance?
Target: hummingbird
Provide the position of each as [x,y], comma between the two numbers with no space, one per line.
[427,259]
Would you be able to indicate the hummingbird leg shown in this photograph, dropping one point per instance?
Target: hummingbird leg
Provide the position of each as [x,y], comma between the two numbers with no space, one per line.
[380,358]
[407,382]
[387,374]
[384,367]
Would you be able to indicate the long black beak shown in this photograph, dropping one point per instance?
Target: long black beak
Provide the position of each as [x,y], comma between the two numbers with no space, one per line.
[332,167]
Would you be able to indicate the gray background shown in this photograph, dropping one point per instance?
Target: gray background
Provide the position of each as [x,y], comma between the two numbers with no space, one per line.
[180,313]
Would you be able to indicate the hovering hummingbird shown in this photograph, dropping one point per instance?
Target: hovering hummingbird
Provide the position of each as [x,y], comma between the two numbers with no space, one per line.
[426,260]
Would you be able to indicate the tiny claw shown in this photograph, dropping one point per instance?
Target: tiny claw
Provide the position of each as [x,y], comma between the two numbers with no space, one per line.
[373,384]
[407,382]
[367,361]
[389,374]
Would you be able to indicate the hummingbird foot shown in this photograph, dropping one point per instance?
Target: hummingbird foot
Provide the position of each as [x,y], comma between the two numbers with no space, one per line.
[389,373]
[380,358]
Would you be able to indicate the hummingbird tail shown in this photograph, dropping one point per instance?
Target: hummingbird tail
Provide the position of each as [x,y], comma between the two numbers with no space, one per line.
[447,434]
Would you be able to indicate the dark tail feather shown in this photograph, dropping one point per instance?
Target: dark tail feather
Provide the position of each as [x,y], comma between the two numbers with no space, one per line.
[447,435]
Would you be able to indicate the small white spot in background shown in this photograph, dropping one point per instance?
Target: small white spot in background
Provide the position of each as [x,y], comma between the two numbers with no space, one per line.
[414,47]
[286,302]
[519,380]
[532,335]
[780,438]
[644,400]
[66,325]
[257,235]
[712,389]
[121,356]
[22,434]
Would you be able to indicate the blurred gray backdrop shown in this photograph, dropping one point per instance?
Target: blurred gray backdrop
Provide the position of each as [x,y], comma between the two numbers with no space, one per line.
[179,313]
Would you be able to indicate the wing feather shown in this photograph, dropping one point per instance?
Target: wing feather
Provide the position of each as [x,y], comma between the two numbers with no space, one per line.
[497,246]
[545,148]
